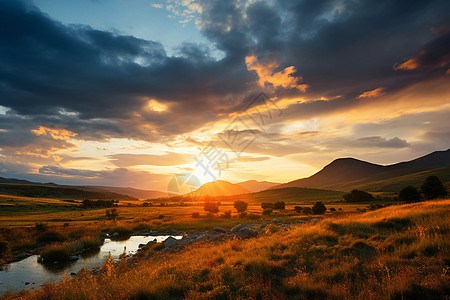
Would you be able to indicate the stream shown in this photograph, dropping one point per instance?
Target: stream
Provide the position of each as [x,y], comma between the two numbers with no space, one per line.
[28,273]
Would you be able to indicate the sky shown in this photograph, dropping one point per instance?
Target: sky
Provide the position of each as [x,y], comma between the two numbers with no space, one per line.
[134,93]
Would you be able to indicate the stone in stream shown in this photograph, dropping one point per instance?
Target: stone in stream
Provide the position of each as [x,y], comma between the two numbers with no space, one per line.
[170,242]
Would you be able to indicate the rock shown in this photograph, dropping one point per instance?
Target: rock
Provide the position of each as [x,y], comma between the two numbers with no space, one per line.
[220,229]
[315,220]
[275,221]
[27,283]
[73,274]
[74,257]
[152,242]
[141,245]
[201,236]
[244,231]
[170,242]
[115,234]
[103,235]
[173,232]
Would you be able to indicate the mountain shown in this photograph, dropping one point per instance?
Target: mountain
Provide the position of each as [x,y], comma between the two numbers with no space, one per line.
[256,186]
[136,193]
[221,188]
[346,173]
[22,181]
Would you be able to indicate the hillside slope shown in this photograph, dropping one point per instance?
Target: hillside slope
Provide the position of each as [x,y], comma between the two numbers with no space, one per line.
[346,173]
[256,186]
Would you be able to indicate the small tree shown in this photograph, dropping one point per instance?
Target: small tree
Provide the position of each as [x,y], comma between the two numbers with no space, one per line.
[433,188]
[319,208]
[112,214]
[279,205]
[409,194]
[212,207]
[241,206]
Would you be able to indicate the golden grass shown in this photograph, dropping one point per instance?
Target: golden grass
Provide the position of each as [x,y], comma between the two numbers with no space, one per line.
[394,253]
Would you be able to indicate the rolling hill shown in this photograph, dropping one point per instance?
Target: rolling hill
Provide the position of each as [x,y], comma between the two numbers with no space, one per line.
[347,173]
[132,192]
[59,192]
[221,188]
[256,186]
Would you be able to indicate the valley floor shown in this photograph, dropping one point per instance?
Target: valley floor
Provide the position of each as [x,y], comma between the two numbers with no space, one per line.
[397,252]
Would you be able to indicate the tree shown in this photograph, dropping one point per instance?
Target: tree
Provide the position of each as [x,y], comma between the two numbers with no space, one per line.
[358,196]
[212,207]
[266,205]
[279,205]
[433,188]
[241,206]
[319,208]
[409,194]
[112,214]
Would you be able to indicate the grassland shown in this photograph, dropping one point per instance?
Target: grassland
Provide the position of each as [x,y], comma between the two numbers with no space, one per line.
[397,252]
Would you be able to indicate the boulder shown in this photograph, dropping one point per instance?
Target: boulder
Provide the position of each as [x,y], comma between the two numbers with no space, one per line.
[115,234]
[220,229]
[244,231]
[170,242]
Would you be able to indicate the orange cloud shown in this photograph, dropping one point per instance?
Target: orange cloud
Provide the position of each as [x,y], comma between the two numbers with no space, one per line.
[373,93]
[410,64]
[57,134]
[266,73]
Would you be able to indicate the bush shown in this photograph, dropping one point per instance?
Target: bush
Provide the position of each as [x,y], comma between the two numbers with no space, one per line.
[267,212]
[332,209]
[298,209]
[241,206]
[433,188]
[358,196]
[4,248]
[227,214]
[409,194]
[279,205]
[41,226]
[112,214]
[307,210]
[266,205]
[55,253]
[212,207]
[319,208]
[51,237]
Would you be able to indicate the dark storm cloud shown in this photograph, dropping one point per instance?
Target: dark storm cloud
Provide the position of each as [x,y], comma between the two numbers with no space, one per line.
[96,83]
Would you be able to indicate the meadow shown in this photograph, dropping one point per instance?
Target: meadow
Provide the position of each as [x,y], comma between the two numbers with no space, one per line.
[396,252]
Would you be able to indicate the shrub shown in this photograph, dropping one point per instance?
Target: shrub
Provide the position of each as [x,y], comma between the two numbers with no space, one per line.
[298,209]
[211,207]
[433,188]
[358,196]
[319,208]
[55,253]
[227,214]
[409,194]
[332,209]
[266,205]
[267,212]
[307,210]
[51,237]
[241,206]
[112,214]
[279,205]
[41,226]
[4,248]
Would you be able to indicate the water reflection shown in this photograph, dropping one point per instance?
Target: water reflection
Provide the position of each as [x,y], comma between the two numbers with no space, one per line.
[28,273]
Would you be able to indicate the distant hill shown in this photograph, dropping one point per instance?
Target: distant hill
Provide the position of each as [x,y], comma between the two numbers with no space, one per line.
[293,194]
[136,193]
[222,188]
[256,186]
[59,192]
[346,173]
[22,181]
